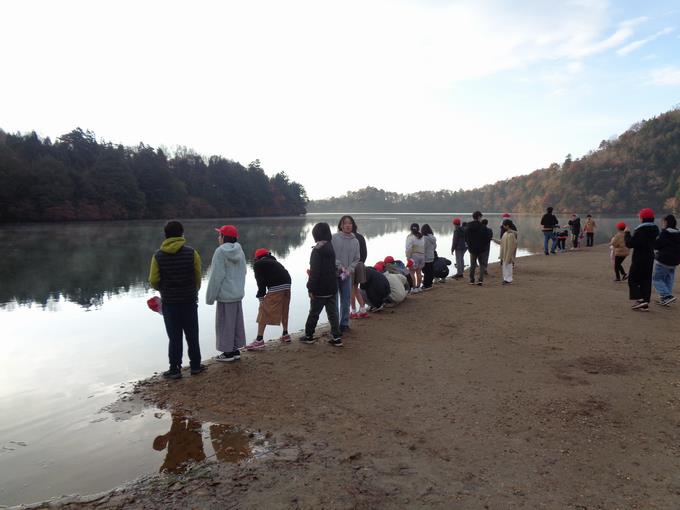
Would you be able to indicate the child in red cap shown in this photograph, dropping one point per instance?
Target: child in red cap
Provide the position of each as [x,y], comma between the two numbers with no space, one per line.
[620,252]
[642,264]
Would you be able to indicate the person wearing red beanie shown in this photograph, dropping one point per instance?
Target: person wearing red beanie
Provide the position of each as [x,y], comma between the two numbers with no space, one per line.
[619,251]
[642,263]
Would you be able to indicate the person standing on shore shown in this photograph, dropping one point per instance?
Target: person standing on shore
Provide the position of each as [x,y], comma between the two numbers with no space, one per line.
[640,276]
[484,256]
[620,252]
[347,256]
[477,239]
[667,248]
[359,277]
[548,224]
[430,249]
[176,272]
[508,251]
[504,217]
[415,252]
[589,229]
[322,285]
[273,291]
[575,227]
[227,286]
[458,247]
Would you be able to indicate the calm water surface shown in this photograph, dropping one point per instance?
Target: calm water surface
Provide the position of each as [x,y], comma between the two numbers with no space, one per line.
[77,331]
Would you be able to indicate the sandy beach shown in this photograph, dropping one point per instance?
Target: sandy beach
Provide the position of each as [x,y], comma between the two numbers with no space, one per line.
[550,393]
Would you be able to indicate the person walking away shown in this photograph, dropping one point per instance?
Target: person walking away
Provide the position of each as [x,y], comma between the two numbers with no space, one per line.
[359,277]
[484,256]
[226,286]
[642,263]
[376,289]
[458,247]
[347,256]
[322,286]
[667,248]
[589,229]
[575,227]
[477,240]
[430,249]
[176,272]
[548,224]
[399,287]
[273,291]
[415,251]
[508,251]
[620,252]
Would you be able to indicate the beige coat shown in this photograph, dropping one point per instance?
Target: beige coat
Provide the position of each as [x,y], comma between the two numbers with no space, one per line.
[618,242]
[508,247]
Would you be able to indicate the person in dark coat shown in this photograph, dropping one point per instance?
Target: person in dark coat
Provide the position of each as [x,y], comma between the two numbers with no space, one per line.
[575,227]
[458,247]
[322,285]
[477,237]
[548,223]
[376,288]
[640,275]
[667,247]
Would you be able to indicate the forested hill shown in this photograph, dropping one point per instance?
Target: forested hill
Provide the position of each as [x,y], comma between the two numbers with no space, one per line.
[641,168]
[79,178]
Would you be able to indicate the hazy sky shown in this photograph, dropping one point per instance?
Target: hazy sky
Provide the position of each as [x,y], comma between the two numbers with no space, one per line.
[405,95]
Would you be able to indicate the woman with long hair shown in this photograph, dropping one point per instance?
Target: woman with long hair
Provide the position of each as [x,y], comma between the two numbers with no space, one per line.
[415,251]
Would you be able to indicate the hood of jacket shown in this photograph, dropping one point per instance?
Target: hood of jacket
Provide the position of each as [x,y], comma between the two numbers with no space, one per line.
[173,244]
[231,251]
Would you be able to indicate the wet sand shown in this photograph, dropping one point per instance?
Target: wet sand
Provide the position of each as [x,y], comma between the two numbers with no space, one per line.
[550,393]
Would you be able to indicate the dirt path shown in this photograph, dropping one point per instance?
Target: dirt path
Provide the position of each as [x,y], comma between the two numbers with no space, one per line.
[550,393]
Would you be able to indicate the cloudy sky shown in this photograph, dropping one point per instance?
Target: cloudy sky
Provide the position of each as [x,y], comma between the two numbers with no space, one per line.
[403,94]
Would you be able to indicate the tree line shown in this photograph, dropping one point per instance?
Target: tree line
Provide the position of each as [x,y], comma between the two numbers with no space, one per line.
[79,178]
[640,168]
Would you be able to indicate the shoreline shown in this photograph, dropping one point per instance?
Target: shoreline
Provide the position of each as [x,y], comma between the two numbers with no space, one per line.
[547,393]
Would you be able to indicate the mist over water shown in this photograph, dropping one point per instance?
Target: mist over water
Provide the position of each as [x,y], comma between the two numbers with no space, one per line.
[76,328]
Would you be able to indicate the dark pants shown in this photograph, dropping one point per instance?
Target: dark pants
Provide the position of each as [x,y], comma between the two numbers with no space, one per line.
[618,267]
[428,274]
[574,240]
[460,261]
[640,281]
[316,304]
[182,318]
[590,237]
[562,243]
[478,258]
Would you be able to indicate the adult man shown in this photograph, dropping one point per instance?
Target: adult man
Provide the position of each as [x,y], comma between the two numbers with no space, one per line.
[477,238]
[176,273]
[548,224]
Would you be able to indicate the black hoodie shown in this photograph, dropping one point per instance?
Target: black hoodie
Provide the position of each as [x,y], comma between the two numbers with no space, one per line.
[667,247]
[477,237]
[642,241]
[269,273]
[323,276]
[377,287]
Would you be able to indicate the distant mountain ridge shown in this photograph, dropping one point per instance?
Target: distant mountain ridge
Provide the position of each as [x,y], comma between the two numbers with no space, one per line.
[640,168]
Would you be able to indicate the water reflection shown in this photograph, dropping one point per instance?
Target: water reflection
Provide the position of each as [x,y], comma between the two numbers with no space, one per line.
[184,444]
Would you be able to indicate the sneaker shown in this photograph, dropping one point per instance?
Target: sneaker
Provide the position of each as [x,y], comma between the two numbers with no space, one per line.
[506,283]
[353,315]
[442,280]
[480,284]
[426,288]
[198,370]
[307,339]
[668,300]
[226,357]
[374,309]
[624,277]
[640,304]
[173,373]
[471,282]
[236,354]
[256,345]
[335,342]
[285,338]
[363,314]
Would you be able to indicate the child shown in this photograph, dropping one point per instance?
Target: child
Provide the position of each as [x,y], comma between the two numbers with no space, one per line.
[440,267]
[273,291]
[322,285]
[430,247]
[508,251]
[575,226]
[376,289]
[642,265]
[359,276]
[667,248]
[620,252]
[347,256]
[415,251]
[562,237]
[589,229]
[399,287]
[458,247]
[397,267]
[227,286]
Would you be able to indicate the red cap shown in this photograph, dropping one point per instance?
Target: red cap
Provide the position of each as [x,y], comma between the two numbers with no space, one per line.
[456,221]
[409,263]
[379,266]
[646,214]
[621,225]
[260,252]
[505,215]
[389,259]
[228,231]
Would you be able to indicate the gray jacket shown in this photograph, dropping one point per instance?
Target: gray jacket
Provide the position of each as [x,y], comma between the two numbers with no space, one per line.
[430,247]
[346,247]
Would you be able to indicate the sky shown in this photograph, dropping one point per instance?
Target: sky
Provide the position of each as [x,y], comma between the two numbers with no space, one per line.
[405,95]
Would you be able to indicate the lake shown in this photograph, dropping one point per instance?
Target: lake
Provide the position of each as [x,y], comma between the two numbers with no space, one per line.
[77,332]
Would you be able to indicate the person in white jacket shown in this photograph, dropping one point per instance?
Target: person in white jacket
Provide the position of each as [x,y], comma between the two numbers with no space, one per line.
[227,286]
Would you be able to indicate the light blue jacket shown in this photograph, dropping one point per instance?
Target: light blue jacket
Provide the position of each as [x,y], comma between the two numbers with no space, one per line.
[227,275]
